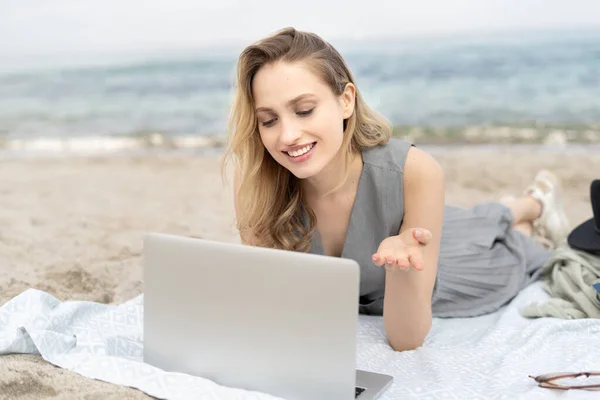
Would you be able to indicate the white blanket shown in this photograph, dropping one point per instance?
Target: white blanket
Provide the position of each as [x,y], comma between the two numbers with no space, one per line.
[487,357]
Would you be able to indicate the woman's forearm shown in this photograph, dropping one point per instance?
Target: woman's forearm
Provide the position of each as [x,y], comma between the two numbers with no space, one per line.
[407,309]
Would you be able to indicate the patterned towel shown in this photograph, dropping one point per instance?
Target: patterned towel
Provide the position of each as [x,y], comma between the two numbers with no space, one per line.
[488,357]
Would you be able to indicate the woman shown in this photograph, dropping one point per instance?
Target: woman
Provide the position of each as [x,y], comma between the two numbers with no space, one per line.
[316,171]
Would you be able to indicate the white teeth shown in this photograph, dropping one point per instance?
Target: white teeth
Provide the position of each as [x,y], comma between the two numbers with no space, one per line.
[303,150]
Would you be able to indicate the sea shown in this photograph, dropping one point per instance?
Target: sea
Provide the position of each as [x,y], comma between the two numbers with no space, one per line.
[524,80]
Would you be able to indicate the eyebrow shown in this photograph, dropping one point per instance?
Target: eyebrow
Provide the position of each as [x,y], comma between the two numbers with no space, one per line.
[290,103]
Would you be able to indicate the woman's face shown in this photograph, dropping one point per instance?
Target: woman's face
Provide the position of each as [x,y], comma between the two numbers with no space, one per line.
[300,119]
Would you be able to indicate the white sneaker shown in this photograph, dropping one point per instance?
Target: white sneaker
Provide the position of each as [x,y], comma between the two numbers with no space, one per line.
[553,223]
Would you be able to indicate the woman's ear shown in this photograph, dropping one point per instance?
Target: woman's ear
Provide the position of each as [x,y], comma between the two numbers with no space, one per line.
[348,98]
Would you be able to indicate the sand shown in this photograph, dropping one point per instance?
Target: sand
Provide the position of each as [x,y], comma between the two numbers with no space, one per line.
[73,227]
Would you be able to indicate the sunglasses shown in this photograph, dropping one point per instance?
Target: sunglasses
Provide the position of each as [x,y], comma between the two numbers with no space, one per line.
[549,380]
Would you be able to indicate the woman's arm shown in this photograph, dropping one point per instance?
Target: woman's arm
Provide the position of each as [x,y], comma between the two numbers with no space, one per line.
[407,304]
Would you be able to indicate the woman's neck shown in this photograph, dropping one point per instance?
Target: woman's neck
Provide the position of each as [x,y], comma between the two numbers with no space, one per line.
[323,184]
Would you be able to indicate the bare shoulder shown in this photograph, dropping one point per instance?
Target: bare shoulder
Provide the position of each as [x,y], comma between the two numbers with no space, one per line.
[422,168]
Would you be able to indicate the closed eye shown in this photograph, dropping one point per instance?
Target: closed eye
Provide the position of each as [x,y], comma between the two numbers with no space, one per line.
[304,113]
[269,122]
[299,113]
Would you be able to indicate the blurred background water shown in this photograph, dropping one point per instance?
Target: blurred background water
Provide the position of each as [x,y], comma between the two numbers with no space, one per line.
[550,79]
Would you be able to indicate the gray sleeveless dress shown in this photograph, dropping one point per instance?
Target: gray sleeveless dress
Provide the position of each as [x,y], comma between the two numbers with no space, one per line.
[483,262]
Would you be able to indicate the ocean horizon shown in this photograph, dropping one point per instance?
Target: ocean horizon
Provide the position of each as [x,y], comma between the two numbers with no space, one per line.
[533,85]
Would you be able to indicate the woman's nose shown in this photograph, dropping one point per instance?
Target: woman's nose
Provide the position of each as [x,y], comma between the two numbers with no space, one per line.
[290,133]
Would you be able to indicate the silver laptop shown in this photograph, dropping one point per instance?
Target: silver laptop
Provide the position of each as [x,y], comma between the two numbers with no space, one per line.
[265,320]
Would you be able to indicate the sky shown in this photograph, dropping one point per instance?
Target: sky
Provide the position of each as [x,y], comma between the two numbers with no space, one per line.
[85,27]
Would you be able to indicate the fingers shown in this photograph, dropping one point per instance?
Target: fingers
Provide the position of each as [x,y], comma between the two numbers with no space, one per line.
[416,259]
[383,258]
[401,259]
[403,251]
[378,259]
[421,235]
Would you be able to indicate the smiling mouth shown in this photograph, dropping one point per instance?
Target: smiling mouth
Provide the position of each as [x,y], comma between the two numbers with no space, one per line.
[302,151]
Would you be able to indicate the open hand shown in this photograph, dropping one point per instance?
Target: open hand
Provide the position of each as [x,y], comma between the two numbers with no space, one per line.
[403,251]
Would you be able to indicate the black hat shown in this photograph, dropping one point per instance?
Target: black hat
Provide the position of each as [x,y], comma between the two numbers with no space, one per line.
[586,236]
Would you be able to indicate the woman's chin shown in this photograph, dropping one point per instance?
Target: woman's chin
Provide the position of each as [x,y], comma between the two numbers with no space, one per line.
[304,171]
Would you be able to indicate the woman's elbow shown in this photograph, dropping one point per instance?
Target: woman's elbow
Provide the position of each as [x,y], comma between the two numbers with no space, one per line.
[406,344]
[412,340]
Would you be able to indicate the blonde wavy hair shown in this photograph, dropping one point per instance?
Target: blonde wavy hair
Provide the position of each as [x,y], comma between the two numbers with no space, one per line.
[269,198]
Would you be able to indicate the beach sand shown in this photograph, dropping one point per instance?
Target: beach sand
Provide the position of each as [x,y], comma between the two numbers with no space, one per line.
[73,227]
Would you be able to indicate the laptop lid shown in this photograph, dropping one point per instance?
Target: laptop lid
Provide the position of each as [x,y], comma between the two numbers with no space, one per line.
[260,319]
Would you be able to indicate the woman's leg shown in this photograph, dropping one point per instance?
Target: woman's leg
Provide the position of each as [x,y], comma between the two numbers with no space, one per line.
[526,228]
[539,212]
[525,210]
